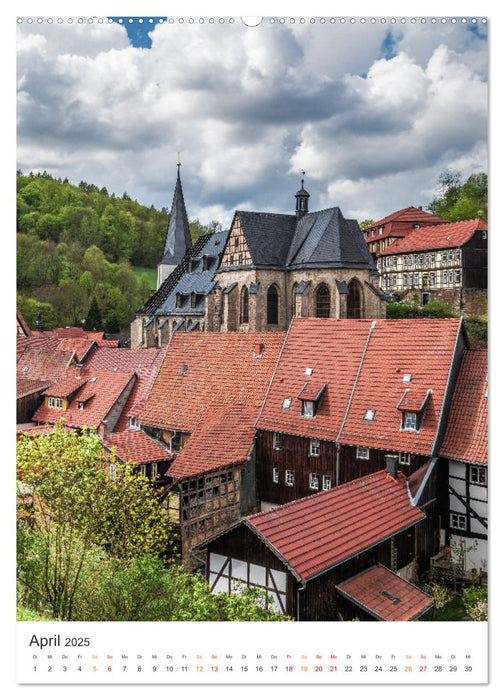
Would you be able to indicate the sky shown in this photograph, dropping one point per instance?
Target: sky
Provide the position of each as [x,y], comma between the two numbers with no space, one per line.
[372,112]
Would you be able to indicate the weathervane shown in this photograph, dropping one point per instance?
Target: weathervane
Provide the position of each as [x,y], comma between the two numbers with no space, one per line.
[302,179]
[179,163]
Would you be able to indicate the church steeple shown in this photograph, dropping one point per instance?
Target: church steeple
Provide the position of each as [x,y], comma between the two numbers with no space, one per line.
[301,200]
[178,237]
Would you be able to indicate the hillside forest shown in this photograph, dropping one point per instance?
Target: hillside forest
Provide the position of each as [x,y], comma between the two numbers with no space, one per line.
[86,257]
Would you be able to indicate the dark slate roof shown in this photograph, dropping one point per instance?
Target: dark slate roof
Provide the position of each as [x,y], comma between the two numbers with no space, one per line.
[326,238]
[189,277]
[319,239]
[268,236]
[178,237]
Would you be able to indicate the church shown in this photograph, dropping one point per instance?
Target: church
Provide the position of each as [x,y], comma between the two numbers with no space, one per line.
[267,269]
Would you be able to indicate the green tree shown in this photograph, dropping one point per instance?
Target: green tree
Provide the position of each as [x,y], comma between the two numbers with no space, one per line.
[456,200]
[367,222]
[93,317]
[70,505]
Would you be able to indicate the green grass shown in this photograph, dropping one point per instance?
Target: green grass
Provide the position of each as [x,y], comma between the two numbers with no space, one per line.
[453,611]
[151,274]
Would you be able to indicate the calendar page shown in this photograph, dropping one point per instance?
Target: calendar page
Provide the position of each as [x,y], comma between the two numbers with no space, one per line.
[251,348]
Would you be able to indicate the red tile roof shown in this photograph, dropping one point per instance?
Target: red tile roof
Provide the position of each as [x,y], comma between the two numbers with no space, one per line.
[363,363]
[135,446]
[385,595]
[225,435]
[145,362]
[41,358]
[400,223]
[81,346]
[26,387]
[322,531]
[107,388]
[202,368]
[68,383]
[466,437]
[22,327]
[451,235]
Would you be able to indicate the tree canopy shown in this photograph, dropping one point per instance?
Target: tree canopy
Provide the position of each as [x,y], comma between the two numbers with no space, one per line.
[456,200]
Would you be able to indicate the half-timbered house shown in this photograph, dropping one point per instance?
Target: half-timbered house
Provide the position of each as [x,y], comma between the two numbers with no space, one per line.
[465,464]
[303,554]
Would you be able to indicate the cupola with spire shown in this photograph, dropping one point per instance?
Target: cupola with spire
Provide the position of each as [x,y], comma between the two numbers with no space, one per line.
[178,237]
[302,197]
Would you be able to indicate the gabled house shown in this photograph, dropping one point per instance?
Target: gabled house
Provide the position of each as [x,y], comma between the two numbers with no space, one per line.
[137,448]
[203,406]
[447,263]
[346,393]
[465,463]
[86,399]
[397,226]
[304,554]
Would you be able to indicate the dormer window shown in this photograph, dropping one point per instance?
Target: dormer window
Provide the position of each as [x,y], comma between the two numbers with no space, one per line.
[55,403]
[413,405]
[410,421]
[133,423]
[80,405]
[307,409]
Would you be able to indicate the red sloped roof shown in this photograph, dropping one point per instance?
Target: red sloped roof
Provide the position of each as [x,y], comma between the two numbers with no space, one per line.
[69,381]
[225,435]
[202,368]
[466,437]
[107,388]
[385,595]
[26,387]
[333,350]
[321,531]
[135,446]
[422,348]
[41,358]
[450,235]
[362,376]
[80,346]
[400,223]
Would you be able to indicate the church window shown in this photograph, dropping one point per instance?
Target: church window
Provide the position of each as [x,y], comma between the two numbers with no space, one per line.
[244,310]
[323,302]
[272,305]
[354,301]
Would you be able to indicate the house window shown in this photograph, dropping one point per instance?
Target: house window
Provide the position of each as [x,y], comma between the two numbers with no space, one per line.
[52,402]
[405,280]
[406,378]
[326,483]
[275,475]
[417,279]
[133,423]
[277,441]
[112,471]
[404,458]
[314,447]
[272,305]
[244,306]
[450,277]
[458,521]
[240,259]
[369,415]
[432,279]
[307,409]
[362,453]
[445,276]
[314,482]
[289,477]
[478,475]
[457,276]
[409,421]
[484,235]
[59,403]
[80,405]
[286,403]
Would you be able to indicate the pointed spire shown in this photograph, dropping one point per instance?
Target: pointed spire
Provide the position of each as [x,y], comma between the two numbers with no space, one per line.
[178,237]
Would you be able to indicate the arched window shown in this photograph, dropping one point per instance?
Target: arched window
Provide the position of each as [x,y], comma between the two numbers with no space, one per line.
[354,300]
[244,306]
[272,305]
[294,287]
[322,301]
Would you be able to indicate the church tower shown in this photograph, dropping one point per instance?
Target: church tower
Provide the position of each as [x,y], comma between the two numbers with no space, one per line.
[178,237]
[301,200]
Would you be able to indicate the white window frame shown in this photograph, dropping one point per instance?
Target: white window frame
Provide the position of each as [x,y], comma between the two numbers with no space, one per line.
[314,447]
[410,423]
[314,481]
[286,404]
[52,402]
[369,416]
[458,521]
[481,476]
[112,470]
[59,403]
[289,477]
[275,474]
[405,458]
[277,441]
[326,482]
[134,423]
[362,453]
[308,409]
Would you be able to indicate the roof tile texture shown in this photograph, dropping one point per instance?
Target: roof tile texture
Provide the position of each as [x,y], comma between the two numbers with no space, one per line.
[451,235]
[466,437]
[224,436]
[400,223]
[135,446]
[202,368]
[367,590]
[321,531]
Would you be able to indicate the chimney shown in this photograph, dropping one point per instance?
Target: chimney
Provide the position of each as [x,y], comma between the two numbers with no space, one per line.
[391,462]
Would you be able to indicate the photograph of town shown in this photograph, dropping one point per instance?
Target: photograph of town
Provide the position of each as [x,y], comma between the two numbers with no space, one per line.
[252,319]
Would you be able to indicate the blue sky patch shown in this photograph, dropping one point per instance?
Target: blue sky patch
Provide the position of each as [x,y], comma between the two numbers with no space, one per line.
[138,29]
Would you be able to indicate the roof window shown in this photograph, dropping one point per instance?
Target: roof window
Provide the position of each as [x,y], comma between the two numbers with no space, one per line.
[184,369]
[406,378]
[286,403]
[370,414]
[309,371]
